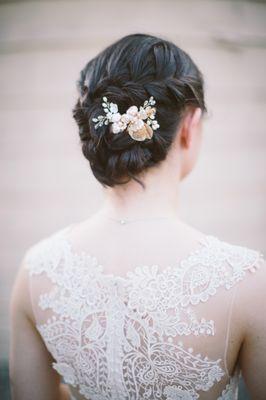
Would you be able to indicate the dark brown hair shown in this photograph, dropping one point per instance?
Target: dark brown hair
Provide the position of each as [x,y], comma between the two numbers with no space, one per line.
[128,72]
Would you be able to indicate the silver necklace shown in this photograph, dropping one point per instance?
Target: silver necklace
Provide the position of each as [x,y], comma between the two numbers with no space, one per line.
[124,221]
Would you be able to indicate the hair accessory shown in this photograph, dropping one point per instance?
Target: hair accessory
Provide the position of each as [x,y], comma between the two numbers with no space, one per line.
[132,120]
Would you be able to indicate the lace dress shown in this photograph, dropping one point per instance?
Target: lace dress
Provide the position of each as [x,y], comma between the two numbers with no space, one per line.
[157,333]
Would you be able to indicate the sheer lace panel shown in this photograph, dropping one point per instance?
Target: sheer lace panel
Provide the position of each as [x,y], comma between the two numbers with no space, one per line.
[153,334]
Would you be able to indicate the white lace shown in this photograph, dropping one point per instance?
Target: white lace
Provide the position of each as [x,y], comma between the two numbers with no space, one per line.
[114,337]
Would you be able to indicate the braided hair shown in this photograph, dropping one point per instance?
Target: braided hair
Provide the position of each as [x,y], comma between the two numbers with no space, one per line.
[128,72]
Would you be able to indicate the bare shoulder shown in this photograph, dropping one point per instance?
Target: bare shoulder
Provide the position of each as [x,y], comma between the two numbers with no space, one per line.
[20,303]
[249,268]
[252,297]
[36,259]
[243,263]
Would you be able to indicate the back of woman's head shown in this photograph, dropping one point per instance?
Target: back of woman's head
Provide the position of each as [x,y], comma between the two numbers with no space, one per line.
[128,72]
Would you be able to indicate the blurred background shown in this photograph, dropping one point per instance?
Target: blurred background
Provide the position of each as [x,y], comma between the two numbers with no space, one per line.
[45,183]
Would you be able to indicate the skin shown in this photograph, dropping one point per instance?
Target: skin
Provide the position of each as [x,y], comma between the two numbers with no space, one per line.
[32,376]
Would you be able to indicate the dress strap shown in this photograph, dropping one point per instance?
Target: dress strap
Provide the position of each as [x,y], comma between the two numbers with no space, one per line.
[228,328]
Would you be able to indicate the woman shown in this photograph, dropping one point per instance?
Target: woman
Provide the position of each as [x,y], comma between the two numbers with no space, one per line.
[133,303]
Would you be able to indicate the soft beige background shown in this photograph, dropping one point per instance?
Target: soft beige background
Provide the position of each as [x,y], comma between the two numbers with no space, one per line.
[46,184]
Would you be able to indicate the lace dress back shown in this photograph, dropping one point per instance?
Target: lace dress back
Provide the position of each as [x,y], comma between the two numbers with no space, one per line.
[159,332]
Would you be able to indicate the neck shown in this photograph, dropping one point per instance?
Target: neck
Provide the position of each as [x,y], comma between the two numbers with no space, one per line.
[131,201]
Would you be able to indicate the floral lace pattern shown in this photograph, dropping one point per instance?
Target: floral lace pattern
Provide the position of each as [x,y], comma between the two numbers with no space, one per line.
[113,337]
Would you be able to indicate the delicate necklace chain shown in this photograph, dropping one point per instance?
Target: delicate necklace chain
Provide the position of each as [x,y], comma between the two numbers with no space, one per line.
[124,221]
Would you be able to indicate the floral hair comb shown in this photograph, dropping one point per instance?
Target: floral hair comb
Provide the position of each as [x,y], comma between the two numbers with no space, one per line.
[132,120]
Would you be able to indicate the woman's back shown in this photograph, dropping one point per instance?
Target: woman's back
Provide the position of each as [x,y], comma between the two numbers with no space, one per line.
[142,311]
[148,310]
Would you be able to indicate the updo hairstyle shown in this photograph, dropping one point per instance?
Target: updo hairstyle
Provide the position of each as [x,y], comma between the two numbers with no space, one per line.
[128,72]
